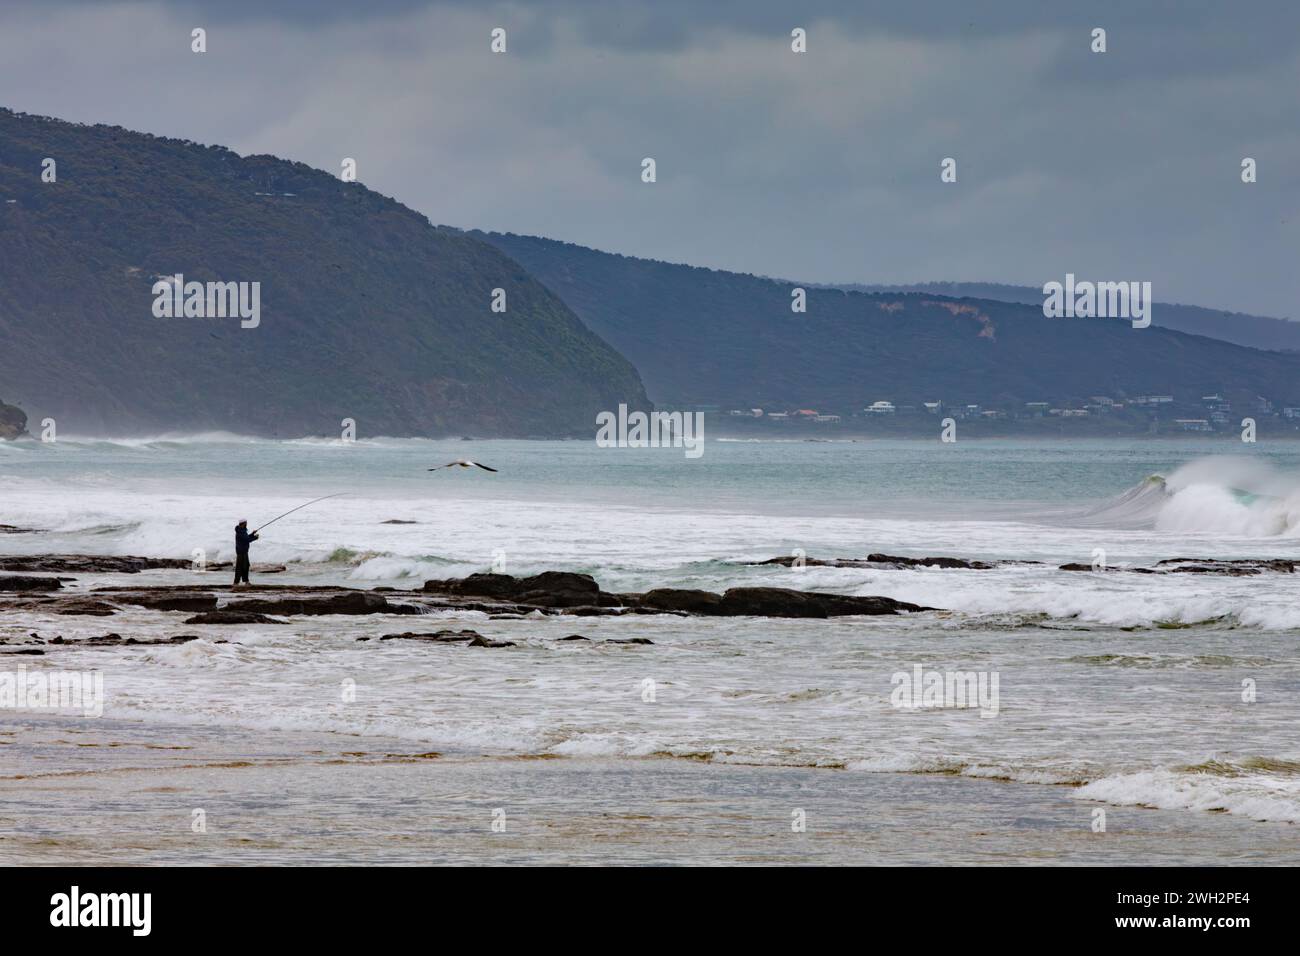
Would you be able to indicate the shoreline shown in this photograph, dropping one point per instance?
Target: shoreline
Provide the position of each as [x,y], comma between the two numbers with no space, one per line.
[333,799]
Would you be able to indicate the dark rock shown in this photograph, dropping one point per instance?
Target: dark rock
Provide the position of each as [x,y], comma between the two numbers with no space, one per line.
[117,640]
[629,640]
[252,569]
[481,641]
[783,602]
[349,602]
[18,582]
[884,560]
[575,637]
[548,589]
[85,607]
[574,594]
[398,521]
[1234,567]
[26,651]
[88,563]
[169,600]
[14,529]
[226,616]
[440,637]
[901,562]
[682,599]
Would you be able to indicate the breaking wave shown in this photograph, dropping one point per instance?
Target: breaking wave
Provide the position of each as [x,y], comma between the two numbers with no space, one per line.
[1222,495]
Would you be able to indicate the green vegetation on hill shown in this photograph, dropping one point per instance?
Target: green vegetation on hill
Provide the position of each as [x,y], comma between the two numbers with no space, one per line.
[705,337]
[367,311]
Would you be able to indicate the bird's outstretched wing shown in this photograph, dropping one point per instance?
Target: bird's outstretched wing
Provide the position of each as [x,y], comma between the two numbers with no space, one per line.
[484,467]
[441,467]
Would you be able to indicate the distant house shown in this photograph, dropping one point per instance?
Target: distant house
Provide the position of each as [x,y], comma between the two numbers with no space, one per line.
[807,413]
[1193,424]
[932,407]
[778,414]
[880,408]
[826,418]
[756,412]
[1153,400]
[1291,413]
[1037,409]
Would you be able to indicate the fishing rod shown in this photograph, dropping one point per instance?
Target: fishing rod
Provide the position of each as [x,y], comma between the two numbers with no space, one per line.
[299,508]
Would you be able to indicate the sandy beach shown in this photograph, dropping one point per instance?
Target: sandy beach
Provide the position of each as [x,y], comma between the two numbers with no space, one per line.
[117,792]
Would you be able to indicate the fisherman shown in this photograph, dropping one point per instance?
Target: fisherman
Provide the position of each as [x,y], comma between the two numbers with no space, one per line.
[242,540]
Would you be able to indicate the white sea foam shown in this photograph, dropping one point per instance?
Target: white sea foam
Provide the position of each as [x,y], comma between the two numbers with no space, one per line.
[799,693]
[1256,795]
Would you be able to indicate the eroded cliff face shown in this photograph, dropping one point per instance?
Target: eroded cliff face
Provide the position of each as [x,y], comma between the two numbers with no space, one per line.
[13,422]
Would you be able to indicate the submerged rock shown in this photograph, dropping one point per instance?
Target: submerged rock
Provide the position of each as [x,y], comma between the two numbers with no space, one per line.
[117,640]
[465,637]
[436,637]
[482,641]
[348,602]
[1236,567]
[85,607]
[169,600]
[887,561]
[231,617]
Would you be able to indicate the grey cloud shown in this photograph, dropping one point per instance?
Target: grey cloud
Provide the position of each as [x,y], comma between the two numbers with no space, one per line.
[822,167]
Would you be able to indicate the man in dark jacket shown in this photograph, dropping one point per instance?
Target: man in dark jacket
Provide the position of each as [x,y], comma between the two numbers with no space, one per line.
[242,540]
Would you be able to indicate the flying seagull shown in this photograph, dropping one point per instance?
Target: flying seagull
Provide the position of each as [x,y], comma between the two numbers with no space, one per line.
[463,463]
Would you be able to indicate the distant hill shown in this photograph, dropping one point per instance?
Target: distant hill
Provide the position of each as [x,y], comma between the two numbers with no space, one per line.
[367,311]
[701,336]
[1255,331]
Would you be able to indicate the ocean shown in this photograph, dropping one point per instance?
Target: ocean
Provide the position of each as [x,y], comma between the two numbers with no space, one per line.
[1169,701]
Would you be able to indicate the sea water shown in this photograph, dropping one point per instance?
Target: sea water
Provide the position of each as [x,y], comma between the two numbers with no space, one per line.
[1175,691]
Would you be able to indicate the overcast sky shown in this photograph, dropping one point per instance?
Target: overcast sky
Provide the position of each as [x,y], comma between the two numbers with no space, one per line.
[821,166]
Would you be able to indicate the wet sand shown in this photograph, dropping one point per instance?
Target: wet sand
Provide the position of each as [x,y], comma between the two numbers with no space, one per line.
[77,791]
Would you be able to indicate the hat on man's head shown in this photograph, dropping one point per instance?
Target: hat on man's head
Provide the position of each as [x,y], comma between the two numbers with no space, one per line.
[242,521]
